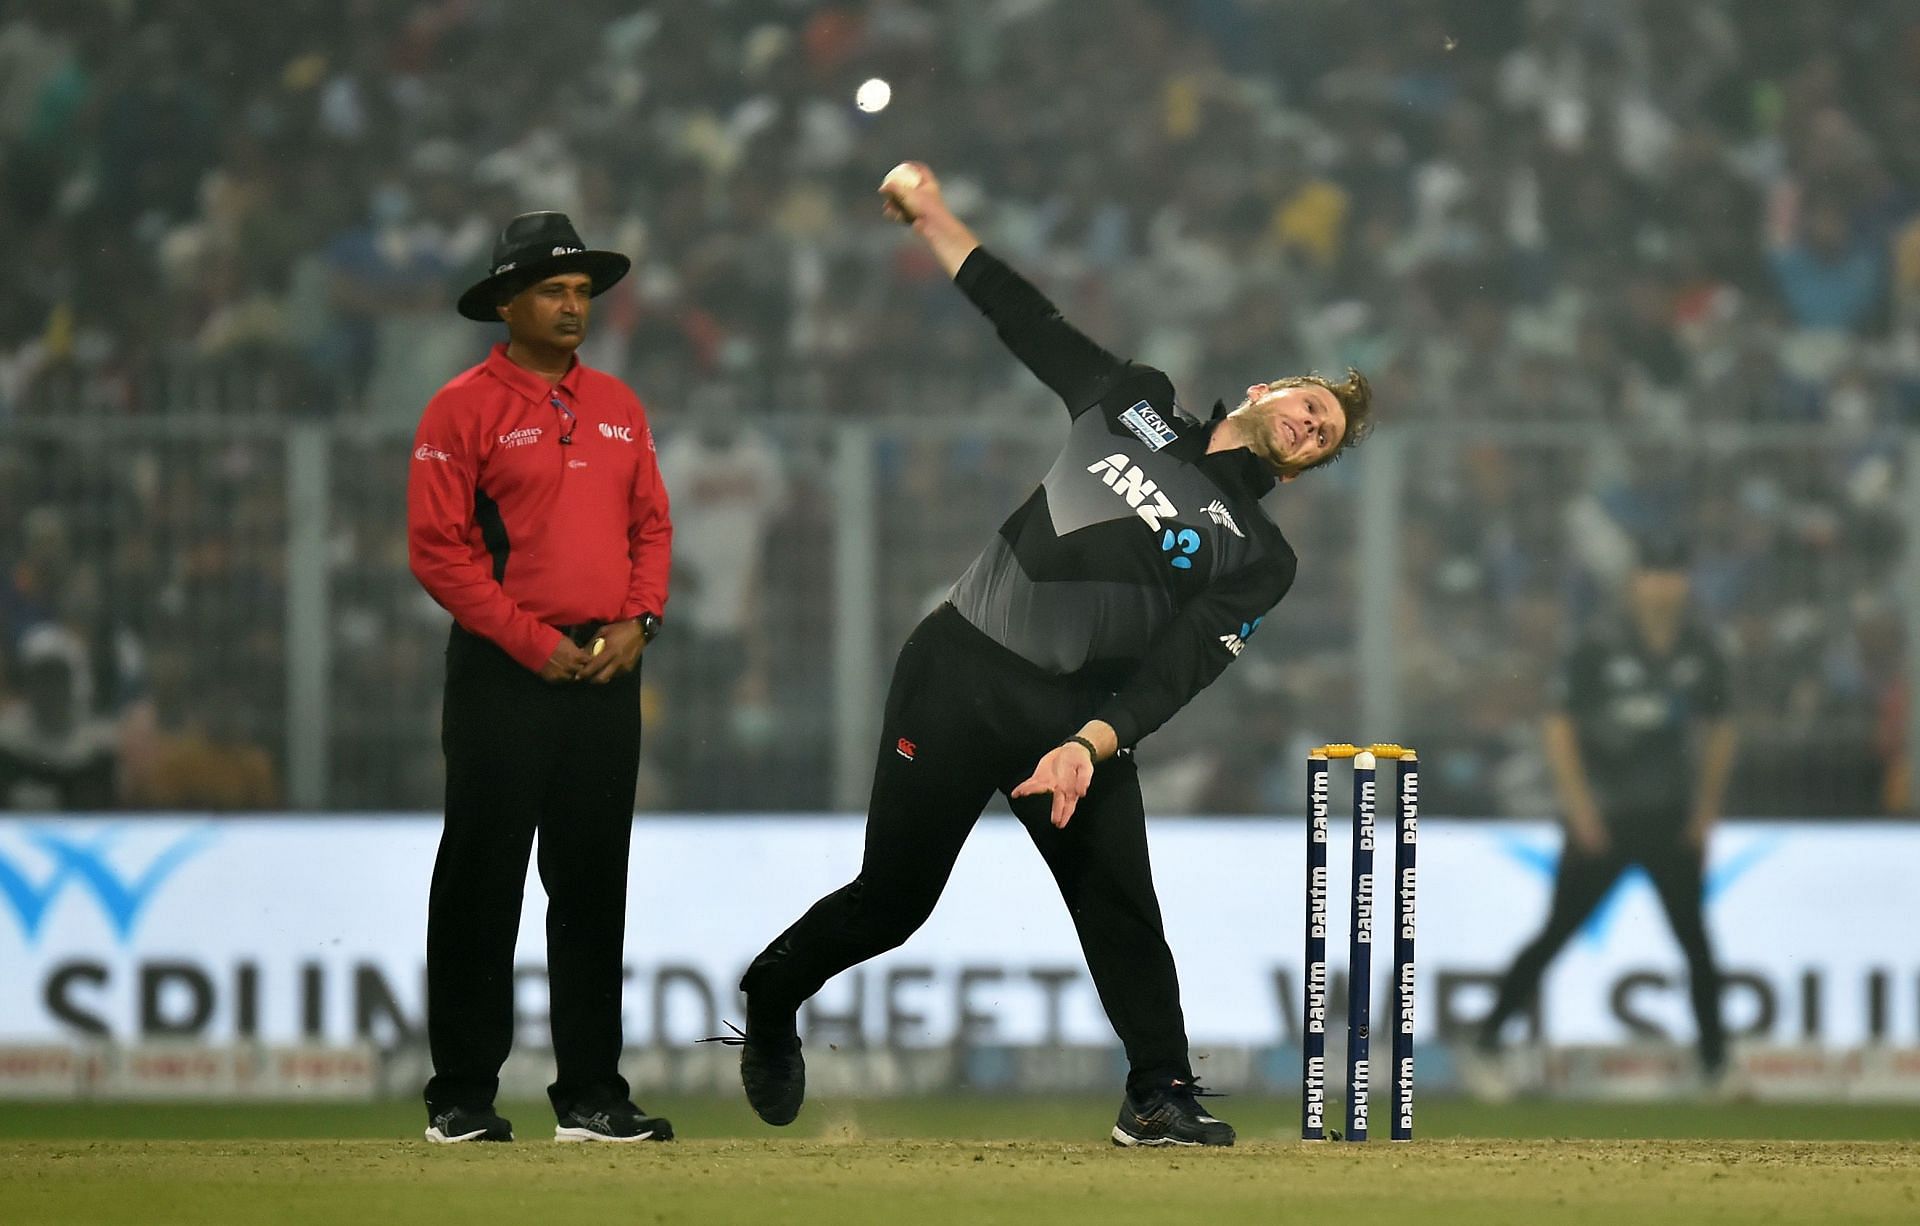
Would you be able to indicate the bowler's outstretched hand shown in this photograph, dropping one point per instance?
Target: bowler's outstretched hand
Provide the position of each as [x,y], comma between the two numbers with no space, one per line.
[1067,772]
[911,192]
[912,195]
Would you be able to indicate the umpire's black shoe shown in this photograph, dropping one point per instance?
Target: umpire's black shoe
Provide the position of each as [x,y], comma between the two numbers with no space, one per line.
[467,1124]
[1169,1115]
[611,1122]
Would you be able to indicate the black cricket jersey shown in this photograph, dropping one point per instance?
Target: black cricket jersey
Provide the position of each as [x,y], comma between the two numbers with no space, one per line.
[1635,712]
[1141,560]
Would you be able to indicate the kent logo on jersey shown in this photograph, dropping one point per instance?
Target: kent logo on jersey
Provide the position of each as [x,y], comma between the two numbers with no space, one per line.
[1148,426]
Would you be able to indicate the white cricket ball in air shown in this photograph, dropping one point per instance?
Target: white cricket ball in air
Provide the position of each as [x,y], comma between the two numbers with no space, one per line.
[873,95]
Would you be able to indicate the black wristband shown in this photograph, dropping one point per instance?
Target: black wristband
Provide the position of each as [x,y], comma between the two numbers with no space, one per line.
[649,626]
[1093,755]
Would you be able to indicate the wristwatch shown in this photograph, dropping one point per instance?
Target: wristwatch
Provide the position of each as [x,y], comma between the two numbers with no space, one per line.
[649,626]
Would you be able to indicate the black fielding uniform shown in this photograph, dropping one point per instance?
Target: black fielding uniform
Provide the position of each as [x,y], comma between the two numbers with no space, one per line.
[1120,589]
[1634,711]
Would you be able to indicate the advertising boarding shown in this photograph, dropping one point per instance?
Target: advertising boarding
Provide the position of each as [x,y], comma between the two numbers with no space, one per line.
[311,931]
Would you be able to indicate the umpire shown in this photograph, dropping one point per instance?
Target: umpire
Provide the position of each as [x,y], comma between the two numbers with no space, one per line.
[1122,587]
[1640,747]
[536,516]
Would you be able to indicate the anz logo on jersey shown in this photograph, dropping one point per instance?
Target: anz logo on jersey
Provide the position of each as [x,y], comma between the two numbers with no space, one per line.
[1144,495]
[1237,642]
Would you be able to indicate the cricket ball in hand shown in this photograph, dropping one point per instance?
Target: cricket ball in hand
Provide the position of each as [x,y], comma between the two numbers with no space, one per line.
[902,178]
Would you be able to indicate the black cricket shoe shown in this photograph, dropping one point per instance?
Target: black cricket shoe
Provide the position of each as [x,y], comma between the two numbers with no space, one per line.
[772,1071]
[1170,1115]
[620,1121]
[458,1124]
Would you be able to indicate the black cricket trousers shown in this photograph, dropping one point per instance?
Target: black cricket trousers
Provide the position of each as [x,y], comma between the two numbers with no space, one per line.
[525,755]
[965,717]
[1582,881]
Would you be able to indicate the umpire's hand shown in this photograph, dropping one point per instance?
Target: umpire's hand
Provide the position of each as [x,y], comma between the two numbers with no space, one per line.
[619,647]
[1067,772]
[565,663]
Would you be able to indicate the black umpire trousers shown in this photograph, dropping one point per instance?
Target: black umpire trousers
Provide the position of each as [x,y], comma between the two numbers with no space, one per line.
[965,718]
[1582,881]
[525,756]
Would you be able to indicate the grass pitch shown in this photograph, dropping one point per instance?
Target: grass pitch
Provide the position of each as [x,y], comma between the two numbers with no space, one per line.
[930,1163]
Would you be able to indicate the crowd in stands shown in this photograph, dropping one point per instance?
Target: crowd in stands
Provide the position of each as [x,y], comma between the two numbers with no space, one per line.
[1631,220]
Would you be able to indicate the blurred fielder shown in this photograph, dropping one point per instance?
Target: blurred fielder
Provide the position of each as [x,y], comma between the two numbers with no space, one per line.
[1121,588]
[1635,698]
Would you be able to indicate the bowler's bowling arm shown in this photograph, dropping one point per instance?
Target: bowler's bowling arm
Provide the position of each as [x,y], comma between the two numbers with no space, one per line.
[1065,359]
[949,238]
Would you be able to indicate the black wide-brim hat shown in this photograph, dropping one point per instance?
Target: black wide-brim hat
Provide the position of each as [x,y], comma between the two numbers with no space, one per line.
[535,246]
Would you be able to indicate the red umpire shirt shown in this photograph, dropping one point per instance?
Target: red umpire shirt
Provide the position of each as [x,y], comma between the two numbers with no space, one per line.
[532,506]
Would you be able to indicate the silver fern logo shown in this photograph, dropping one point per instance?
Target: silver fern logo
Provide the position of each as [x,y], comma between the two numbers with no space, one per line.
[1218,513]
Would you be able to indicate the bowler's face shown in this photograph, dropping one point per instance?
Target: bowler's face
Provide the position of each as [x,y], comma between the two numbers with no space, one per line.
[1300,426]
[551,312]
